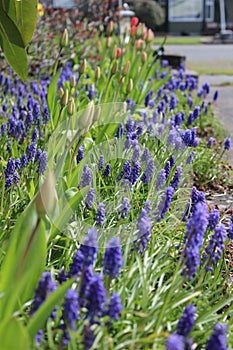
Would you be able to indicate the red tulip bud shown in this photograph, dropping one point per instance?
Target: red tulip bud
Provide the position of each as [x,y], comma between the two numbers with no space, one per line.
[133,30]
[134,21]
[118,52]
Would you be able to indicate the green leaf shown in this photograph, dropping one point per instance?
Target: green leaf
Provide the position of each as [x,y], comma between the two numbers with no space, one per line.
[52,93]
[24,14]
[14,335]
[24,261]
[12,44]
[39,318]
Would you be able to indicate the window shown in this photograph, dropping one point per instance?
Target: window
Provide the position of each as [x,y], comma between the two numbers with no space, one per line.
[185,10]
[209,10]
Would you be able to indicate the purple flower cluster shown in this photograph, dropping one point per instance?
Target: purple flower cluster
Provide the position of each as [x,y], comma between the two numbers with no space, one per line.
[112,261]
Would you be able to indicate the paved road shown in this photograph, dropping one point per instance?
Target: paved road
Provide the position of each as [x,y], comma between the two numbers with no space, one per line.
[216,57]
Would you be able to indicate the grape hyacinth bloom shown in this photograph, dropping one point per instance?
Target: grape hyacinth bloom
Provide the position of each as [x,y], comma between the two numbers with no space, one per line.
[144,227]
[125,208]
[88,337]
[96,298]
[77,264]
[46,286]
[230,229]
[161,179]
[135,173]
[215,247]
[210,142]
[43,161]
[186,322]
[213,218]
[218,339]
[114,307]
[71,309]
[227,144]
[89,247]
[100,216]
[215,97]
[146,155]
[176,179]
[126,171]
[39,337]
[175,342]
[194,238]
[101,163]
[86,177]
[112,261]
[90,197]
[87,276]
[149,171]
[165,203]
[107,170]
[80,154]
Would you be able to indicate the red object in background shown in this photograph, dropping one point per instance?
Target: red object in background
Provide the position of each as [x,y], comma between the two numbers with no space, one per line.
[133,30]
[118,52]
[134,21]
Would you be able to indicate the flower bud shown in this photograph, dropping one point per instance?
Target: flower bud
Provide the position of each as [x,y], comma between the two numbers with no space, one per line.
[109,42]
[110,27]
[86,117]
[133,31]
[140,30]
[118,52]
[65,98]
[139,44]
[113,52]
[64,39]
[129,86]
[134,21]
[83,66]
[149,36]
[60,92]
[46,197]
[114,68]
[144,57]
[126,68]
[71,106]
[97,73]
[73,81]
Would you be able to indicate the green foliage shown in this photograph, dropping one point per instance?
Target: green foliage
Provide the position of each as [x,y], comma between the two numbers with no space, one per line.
[17,25]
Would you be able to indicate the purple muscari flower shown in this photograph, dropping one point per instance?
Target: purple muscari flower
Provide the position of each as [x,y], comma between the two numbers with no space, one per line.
[167,168]
[186,322]
[190,118]
[29,120]
[206,87]
[161,179]
[149,171]
[190,157]
[144,227]
[46,115]
[125,208]
[17,163]
[38,338]
[164,63]
[128,141]
[114,306]
[131,104]
[96,298]
[4,107]
[9,180]
[163,75]
[147,206]
[35,135]
[31,151]
[80,154]
[216,246]
[230,229]
[190,101]
[215,97]
[36,112]
[91,92]
[100,216]
[89,247]
[24,160]
[86,177]
[43,161]
[213,218]
[194,237]
[90,197]
[77,264]
[46,286]
[148,97]
[196,112]
[176,179]
[71,309]
[62,275]
[107,170]
[146,155]
[8,146]
[130,124]
[15,177]
[173,102]
[101,162]
[218,339]
[88,337]
[126,171]
[196,197]
[135,173]
[3,128]
[165,203]
[172,160]
[136,153]
[112,261]
[227,144]
[175,342]
[87,276]
[38,154]
[10,168]
[171,137]
[210,142]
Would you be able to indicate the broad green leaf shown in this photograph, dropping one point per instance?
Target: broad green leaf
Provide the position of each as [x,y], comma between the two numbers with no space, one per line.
[24,14]
[39,318]
[14,335]
[24,261]
[52,93]
[12,45]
